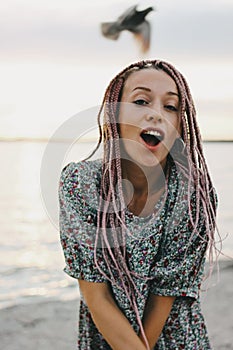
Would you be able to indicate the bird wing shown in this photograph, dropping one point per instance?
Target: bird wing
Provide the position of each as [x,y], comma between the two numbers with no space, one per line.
[110,30]
[142,35]
[127,14]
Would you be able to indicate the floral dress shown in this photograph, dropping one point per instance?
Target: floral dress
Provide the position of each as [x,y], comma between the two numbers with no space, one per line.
[166,257]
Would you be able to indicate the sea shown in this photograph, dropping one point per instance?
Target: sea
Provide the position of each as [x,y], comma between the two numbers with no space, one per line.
[31,259]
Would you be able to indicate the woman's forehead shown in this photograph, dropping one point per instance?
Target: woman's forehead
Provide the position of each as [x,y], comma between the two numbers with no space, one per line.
[150,77]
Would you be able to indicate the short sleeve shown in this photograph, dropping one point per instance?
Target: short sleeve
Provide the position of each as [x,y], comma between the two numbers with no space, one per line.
[77,222]
[179,266]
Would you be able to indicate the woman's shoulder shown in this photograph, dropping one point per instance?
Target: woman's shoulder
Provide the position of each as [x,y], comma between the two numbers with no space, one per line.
[83,171]
[80,181]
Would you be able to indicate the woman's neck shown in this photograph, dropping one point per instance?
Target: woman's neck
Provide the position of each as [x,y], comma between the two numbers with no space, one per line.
[145,180]
[142,187]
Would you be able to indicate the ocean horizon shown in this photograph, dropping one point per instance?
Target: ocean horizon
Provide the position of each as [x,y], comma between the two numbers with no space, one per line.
[83,140]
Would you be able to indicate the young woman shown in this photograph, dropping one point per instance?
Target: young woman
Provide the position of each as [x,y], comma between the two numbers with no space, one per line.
[136,225]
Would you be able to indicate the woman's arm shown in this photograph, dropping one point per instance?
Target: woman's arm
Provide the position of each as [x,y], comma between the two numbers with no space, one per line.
[156,313]
[108,318]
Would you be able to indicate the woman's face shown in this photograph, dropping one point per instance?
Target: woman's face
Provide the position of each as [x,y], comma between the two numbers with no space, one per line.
[149,116]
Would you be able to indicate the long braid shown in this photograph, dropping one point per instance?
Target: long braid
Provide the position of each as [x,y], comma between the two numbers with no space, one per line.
[111,217]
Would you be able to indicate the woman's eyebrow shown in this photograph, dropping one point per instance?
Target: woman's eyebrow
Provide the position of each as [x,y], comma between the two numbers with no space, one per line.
[142,88]
[172,93]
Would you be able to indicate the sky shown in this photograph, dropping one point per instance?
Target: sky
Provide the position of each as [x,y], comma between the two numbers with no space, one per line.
[54,63]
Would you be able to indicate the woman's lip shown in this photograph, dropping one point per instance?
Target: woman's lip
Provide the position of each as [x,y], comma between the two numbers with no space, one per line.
[161,132]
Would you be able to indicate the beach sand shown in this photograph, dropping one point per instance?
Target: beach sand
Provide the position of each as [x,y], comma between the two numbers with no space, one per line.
[52,324]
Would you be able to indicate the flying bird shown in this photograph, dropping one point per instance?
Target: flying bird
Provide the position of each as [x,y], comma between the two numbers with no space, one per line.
[133,21]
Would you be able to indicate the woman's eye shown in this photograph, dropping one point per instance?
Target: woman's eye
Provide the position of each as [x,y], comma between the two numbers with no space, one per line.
[140,102]
[171,108]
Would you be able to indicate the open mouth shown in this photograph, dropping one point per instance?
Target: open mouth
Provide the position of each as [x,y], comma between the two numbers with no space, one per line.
[152,137]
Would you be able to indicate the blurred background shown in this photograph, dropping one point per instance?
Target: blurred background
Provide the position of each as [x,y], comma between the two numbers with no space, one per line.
[54,63]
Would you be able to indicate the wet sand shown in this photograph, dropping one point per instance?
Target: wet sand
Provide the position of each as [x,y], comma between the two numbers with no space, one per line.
[52,324]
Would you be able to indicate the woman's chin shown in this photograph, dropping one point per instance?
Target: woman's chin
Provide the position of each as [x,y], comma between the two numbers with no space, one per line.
[138,154]
[148,161]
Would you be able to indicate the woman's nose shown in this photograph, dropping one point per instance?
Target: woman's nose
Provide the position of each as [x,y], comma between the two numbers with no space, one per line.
[154,115]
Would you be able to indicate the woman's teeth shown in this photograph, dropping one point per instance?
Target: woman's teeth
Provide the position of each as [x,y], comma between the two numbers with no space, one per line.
[152,137]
